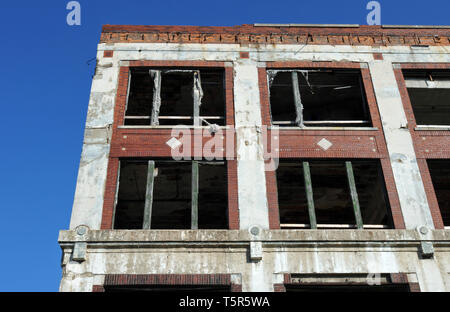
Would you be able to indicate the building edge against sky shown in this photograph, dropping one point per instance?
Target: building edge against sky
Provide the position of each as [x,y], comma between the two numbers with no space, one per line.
[367,205]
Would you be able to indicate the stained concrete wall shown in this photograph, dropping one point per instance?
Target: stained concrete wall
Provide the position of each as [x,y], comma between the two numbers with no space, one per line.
[432,274]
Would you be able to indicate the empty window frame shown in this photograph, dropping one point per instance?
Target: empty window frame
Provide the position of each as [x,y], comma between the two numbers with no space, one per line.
[332,194]
[429,94]
[167,194]
[175,97]
[440,176]
[318,98]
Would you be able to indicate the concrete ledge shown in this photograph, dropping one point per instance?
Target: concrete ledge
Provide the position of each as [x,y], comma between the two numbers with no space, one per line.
[242,237]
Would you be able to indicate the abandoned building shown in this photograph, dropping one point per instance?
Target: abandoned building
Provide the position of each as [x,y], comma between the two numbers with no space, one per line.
[330,168]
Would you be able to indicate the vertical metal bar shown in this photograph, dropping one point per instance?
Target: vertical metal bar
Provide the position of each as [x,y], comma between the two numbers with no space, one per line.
[116,196]
[198,94]
[149,196]
[354,194]
[156,104]
[297,99]
[194,196]
[309,195]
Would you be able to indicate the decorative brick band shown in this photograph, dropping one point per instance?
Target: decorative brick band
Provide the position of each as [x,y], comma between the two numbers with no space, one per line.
[363,35]
[395,278]
[168,279]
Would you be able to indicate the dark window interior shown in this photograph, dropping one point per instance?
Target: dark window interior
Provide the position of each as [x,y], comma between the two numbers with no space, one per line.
[171,207]
[431,106]
[331,192]
[177,102]
[329,98]
[440,175]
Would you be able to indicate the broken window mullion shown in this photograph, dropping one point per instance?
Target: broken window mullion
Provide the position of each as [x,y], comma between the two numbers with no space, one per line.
[309,195]
[198,94]
[194,196]
[354,194]
[128,91]
[149,196]
[154,118]
[116,195]
[297,99]
[364,100]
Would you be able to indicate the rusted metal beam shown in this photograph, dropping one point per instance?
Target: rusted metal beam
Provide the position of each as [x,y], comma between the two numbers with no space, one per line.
[309,195]
[194,195]
[149,196]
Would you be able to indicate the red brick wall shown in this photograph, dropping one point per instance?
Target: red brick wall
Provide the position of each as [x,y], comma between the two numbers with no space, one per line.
[244,34]
[396,278]
[168,279]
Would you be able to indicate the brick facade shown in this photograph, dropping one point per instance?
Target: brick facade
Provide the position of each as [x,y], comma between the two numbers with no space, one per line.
[168,280]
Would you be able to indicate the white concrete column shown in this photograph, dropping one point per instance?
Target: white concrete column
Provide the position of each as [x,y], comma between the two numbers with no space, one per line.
[430,276]
[89,193]
[253,208]
[411,192]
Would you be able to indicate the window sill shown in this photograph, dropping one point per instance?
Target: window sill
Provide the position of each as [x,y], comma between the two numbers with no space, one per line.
[333,226]
[172,127]
[327,128]
[432,128]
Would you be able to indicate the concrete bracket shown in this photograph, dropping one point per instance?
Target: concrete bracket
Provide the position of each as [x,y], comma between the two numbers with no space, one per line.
[256,253]
[261,65]
[426,250]
[79,251]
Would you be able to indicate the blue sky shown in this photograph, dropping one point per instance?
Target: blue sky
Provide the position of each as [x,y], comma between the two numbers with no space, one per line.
[45,84]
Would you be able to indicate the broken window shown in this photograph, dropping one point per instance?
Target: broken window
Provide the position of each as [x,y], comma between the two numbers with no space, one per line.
[318,97]
[175,97]
[440,175]
[429,93]
[167,194]
[332,194]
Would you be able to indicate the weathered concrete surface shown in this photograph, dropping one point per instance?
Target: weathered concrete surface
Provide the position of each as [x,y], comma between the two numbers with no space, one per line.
[251,187]
[88,201]
[411,192]
[207,252]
